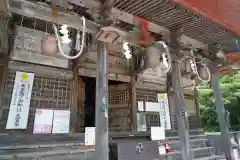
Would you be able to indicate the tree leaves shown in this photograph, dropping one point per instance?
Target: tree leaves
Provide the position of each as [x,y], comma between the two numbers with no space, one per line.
[230,89]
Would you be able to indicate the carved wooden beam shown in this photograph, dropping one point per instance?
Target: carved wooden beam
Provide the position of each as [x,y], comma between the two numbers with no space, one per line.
[30,9]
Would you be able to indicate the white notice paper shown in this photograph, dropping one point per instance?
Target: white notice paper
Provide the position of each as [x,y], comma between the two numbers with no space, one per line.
[90,136]
[61,121]
[152,107]
[20,101]
[157,133]
[140,106]
[43,121]
[164,111]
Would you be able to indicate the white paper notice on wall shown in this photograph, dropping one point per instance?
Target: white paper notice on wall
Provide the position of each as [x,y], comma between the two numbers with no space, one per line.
[164,111]
[61,121]
[140,106]
[20,101]
[43,121]
[157,133]
[152,107]
[90,136]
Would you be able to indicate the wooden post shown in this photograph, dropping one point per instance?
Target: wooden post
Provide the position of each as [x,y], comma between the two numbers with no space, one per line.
[101,110]
[133,103]
[181,111]
[74,105]
[219,103]
[74,99]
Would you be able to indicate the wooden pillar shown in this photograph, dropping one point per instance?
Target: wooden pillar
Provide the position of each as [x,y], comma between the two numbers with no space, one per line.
[182,115]
[101,110]
[220,109]
[74,99]
[3,77]
[133,103]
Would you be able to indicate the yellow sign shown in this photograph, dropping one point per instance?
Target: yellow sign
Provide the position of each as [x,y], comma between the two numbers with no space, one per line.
[24,76]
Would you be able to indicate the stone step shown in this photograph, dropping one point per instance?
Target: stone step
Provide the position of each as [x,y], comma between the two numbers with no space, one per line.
[23,154]
[200,136]
[195,143]
[40,145]
[210,158]
[196,152]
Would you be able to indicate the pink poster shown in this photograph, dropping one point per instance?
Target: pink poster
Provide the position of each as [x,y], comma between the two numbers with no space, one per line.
[43,121]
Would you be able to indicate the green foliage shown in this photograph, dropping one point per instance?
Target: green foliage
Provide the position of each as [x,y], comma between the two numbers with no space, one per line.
[230,89]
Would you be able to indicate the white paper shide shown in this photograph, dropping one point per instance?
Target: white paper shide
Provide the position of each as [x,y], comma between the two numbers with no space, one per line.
[61,121]
[164,111]
[20,101]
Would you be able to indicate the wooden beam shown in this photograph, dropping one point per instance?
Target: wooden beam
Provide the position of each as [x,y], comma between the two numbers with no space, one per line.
[111,75]
[34,10]
[130,19]
[42,70]
[38,11]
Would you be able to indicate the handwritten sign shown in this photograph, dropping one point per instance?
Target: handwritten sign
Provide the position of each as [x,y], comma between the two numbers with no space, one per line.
[21,96]
[164,111]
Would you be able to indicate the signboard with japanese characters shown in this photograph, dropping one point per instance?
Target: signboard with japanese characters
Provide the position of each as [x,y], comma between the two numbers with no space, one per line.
[43,121]
[61,120]
[20,101]
[164,110]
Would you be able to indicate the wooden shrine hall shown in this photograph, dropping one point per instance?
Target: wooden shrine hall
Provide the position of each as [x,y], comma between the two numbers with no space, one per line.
[138,61]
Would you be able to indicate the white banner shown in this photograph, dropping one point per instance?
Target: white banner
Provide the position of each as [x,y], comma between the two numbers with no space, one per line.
[61,121]
[20,101]
[43,121]
[164,111]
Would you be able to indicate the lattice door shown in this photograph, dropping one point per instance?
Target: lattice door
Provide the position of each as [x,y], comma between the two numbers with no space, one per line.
[119,108]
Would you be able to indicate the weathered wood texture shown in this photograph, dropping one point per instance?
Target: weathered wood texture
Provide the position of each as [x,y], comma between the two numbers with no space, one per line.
[133,103]
[118,67]
[80,105]
[74,104]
